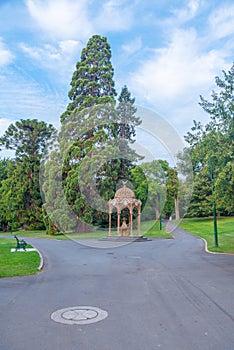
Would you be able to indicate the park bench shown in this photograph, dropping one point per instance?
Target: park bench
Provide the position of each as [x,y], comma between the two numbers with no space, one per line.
[20,243]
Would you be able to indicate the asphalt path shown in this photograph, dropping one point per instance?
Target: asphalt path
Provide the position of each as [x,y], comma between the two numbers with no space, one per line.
[161,294]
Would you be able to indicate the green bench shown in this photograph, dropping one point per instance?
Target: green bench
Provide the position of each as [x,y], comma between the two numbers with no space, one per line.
[20,243]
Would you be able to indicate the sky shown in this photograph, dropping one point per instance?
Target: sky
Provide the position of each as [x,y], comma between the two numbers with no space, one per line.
[167,52]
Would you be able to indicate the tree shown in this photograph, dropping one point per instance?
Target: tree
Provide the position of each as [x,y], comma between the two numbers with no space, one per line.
[172,185]
[215,140]
[140,187]
[92,81]
[124,125]
[85,123]
[156,175]
[126,113]
[21,188]
[5,210]
[97,156]
[3,169]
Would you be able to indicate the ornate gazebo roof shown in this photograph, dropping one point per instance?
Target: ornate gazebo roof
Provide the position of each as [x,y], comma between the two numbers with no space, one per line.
[124,192]
[124,198]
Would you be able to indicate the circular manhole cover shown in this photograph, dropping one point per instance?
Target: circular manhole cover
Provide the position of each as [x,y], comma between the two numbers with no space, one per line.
[79,315]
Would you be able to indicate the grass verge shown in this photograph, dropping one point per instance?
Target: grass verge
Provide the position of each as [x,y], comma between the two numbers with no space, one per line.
[17,263]
[152,229]
[203,227]
[148,229]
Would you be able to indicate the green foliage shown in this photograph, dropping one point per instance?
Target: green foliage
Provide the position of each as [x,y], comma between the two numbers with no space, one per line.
[5,212]
[140,184]
[92,81]
[19,189]
[172,186]
[127,120]
[94,139]
[3,169]
[156,173]
[214,143]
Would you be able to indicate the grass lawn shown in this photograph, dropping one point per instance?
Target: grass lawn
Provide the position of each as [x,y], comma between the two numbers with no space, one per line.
[203,227]
[152,229]
[148,229]
[17,263]
[34,234]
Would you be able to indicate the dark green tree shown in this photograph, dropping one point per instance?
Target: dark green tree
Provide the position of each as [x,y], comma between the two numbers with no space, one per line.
[3,169]
[5,210]
[172,186]
[91,128]
[92,81]
[215,140]
[126,114]
[156,173]
[124,124]
[28,139]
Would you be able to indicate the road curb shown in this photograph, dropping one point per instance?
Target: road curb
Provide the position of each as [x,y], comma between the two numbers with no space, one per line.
[40,267]
[208,251]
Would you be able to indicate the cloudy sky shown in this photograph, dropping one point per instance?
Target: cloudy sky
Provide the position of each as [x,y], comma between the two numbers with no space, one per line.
[167,52]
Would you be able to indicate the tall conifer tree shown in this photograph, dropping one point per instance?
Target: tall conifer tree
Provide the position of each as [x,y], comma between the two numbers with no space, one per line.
[92,81]
[127,120]
[91,128]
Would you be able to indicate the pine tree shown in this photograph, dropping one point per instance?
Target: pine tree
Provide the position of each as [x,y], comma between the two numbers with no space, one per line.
[92,81]
[28,138]
[87,123]
[90,140]
[127,120]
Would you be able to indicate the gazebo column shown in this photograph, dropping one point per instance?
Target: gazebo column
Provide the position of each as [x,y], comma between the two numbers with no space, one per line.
[109,233]
[118,223]
[139,222]
[131,222]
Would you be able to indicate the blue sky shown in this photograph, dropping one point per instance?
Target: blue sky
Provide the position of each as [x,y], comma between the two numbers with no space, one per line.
[167,52]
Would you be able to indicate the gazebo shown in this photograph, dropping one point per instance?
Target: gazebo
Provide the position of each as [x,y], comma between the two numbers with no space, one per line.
[125,198]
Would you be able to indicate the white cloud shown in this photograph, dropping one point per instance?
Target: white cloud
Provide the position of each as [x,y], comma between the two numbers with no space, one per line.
[69,19]
[59,57]
[188,12]
[114,15]
[4,123]
[178,69]
[49,54]
[46,53]
[21,97]
[6,56]
[174,77]
[222,21]
[64,19]
[69,46]
[133,46]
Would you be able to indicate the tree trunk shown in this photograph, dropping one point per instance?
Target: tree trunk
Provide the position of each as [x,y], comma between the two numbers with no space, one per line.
[157,212]
[5,227]
[83,227]
[177,210]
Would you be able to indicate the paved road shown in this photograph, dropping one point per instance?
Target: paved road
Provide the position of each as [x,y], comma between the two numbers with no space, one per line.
[163,294]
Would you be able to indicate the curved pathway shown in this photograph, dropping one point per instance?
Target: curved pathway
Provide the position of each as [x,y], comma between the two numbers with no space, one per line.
[161,294]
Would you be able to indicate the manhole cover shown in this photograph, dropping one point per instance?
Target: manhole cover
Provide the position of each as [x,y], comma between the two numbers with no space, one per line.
[79,315]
